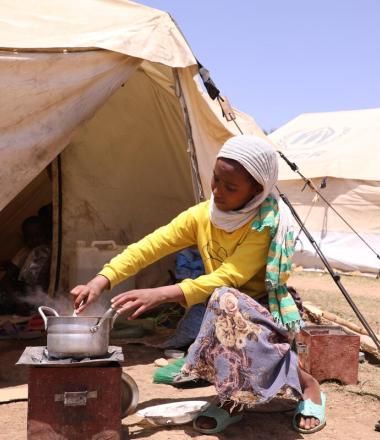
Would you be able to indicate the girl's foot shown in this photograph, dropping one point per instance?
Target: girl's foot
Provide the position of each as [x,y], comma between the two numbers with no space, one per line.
[312,391]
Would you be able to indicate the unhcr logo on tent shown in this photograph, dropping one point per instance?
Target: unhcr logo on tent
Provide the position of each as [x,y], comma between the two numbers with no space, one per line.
[307,144]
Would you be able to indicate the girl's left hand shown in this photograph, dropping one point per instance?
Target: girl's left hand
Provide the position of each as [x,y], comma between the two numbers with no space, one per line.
[135,302]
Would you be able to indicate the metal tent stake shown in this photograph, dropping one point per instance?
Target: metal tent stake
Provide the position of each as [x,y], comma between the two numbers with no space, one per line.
[334,276]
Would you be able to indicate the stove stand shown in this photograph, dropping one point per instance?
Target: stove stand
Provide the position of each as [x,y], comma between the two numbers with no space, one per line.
[73,400]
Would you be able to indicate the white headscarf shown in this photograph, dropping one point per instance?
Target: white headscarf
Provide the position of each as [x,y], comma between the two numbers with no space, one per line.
[259,158]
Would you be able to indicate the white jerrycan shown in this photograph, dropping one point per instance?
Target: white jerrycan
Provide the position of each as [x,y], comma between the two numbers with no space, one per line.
[88,260]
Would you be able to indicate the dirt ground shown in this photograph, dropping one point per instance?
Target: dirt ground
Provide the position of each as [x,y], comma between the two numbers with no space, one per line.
[352,410]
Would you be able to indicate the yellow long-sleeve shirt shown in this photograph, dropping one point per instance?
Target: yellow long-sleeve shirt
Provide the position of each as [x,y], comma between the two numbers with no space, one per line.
[236,259]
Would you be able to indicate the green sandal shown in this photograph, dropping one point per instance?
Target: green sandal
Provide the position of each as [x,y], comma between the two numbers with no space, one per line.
[222,417]
[307,408]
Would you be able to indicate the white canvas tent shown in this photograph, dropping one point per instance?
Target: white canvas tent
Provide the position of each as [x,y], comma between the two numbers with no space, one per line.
[345,148]
[108,94]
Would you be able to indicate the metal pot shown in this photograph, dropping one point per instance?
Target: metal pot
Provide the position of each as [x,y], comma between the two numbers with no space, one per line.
[77,336]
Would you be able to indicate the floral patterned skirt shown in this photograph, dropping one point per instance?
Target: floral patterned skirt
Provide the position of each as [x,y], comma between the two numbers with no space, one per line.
[242,351]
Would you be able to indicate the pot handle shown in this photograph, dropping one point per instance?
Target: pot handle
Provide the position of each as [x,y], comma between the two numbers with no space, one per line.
[107,244]
[115,316]
[109,314]
[41,310]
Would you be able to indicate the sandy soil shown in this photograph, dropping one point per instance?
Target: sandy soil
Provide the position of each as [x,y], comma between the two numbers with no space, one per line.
[352,410]
[321,290]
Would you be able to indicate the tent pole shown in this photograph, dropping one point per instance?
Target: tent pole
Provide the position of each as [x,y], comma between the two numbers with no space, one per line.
[55,267]
[59,223]
[334,276]
[197,184]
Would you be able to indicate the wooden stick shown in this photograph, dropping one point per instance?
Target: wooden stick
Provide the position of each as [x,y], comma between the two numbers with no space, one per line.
[334,318]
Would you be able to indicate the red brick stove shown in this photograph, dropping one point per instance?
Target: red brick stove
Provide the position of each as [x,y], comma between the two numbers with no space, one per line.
[74,400]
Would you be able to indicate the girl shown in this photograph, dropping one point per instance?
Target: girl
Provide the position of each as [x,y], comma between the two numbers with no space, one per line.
[244,237]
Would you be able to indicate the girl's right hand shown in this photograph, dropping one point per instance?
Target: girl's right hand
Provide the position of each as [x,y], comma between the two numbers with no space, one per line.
[86,294]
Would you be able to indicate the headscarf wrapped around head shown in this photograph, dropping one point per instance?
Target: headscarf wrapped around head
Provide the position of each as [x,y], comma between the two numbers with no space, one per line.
[259,158]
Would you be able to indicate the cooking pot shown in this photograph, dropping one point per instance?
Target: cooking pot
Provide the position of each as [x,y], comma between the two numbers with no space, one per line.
[77,336]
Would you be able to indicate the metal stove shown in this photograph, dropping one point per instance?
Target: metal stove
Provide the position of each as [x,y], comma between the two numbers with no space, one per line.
[71,399]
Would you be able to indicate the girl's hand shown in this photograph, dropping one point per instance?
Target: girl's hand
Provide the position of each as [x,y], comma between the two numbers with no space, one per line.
[84,295]
[136,302]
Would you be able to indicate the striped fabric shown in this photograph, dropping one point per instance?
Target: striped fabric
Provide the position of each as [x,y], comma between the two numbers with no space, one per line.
[279,263]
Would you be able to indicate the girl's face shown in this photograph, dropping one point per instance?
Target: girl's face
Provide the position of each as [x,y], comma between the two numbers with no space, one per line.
[232,186]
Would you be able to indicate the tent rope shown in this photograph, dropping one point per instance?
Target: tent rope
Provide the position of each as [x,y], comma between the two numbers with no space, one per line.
[313,202]
[237,125]
[311,185]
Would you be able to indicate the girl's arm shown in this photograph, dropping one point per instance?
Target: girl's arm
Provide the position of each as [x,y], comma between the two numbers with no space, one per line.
[178,234]
[136,302]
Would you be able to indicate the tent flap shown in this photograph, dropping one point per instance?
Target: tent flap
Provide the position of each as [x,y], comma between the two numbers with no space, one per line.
[46,97]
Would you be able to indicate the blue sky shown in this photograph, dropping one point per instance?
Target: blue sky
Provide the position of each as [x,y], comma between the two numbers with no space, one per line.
[275,59]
